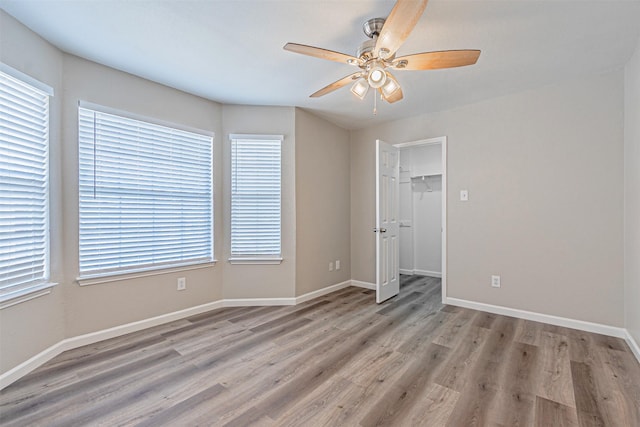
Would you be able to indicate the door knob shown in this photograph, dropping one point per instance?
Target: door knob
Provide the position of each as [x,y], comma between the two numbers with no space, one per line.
[381,230]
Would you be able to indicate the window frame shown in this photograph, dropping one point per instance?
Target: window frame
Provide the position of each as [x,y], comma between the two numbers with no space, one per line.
[17,293]
[248,258]
[93,277]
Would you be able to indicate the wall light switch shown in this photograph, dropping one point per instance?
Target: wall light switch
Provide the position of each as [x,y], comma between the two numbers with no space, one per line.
[337,264]
[464,195]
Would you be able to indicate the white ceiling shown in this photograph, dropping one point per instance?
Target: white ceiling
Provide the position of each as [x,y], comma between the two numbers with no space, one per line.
[231,50]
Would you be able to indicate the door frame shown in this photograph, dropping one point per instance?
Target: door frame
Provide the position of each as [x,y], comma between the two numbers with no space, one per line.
[433,141]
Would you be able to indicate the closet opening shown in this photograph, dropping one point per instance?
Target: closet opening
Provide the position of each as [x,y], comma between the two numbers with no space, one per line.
[422,208]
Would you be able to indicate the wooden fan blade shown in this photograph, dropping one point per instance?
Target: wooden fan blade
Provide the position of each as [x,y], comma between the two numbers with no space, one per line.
[321,53]
[336,85]
[436,60]
[397,27]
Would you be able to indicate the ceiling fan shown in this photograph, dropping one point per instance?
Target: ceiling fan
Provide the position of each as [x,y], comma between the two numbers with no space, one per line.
[376,56]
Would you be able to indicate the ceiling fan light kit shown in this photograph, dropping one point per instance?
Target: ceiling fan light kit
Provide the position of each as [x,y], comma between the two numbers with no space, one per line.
[360,88]
[390,87]
[376,55]
[376,76]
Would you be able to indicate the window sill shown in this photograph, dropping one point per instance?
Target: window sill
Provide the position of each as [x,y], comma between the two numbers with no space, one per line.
[257,261]
[24,295]
[95,279]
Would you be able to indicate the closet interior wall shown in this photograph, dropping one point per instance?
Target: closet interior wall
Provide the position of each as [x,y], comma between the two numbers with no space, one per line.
[421,210]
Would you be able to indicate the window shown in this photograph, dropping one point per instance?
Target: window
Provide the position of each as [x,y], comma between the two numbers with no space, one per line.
[255,198]
[146,195]
[24,184]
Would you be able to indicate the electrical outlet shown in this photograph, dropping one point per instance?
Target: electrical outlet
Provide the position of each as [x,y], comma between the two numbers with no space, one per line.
[331,266]
[182,283]
[495,281]
[337,264]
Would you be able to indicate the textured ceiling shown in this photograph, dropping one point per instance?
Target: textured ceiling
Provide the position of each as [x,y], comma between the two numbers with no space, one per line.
[231,51]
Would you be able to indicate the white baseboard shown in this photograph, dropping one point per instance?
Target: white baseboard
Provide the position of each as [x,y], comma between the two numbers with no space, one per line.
[365,285]
[70,343]
[633,344]
[250,302]
[421,273]
[538,317]
[128,328]
[320,292]
[253,302]
[428,273]
[44,356]
[49,353]
[27,366]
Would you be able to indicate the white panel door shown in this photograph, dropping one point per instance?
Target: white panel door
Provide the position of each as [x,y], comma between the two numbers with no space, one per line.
[387,226]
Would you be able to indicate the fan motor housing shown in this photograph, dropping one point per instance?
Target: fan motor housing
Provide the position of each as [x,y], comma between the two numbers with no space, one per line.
[373,27]
[365,51]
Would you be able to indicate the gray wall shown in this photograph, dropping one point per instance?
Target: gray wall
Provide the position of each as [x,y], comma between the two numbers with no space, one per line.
[28,328]
[262,281]
[322,203]
[544,170]
[96,307]
[70,310]
[632,195]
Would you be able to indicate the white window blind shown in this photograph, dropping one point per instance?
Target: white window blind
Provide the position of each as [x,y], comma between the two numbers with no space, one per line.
[255,196]
[145,195]
[24,187]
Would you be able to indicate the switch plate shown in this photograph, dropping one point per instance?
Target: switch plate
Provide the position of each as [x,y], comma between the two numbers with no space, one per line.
[495,281]
[337,264]
[464,195]
[331,266]
[182,283]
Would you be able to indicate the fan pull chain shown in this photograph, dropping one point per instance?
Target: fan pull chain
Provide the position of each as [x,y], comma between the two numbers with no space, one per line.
[375,104]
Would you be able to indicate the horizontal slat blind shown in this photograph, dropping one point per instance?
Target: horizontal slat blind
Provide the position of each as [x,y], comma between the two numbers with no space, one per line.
[24,179]
[145,194]
[255,196]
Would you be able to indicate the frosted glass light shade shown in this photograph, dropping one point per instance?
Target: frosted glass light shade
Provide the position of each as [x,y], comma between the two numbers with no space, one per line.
[377,77]
[360,88]
[389,87]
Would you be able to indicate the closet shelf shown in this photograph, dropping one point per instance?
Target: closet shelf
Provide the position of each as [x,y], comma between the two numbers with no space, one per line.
[426,175]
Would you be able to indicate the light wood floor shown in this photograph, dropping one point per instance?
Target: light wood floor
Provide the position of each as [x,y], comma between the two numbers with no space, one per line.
[339,360]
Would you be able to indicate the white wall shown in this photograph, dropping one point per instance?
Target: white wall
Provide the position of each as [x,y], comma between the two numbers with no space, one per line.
[427,225]
[426,159]
[262,281]
[421,206]
[632,195]
[405,214]
[544,169]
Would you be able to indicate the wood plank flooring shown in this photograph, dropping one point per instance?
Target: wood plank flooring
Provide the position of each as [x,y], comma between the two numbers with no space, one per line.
[338,360]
